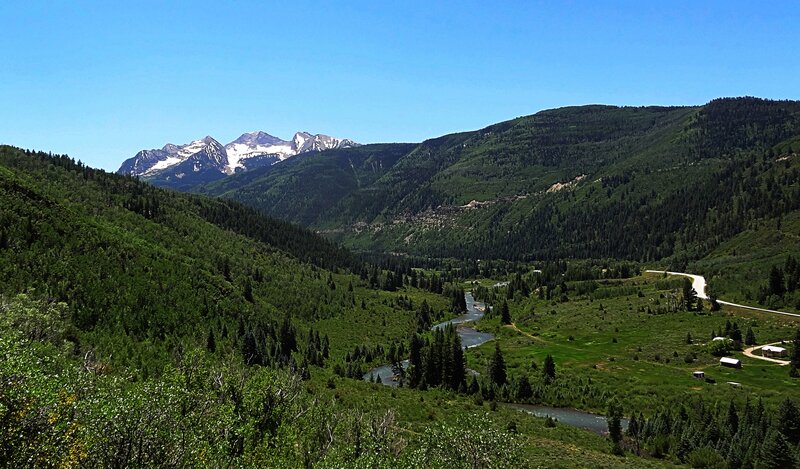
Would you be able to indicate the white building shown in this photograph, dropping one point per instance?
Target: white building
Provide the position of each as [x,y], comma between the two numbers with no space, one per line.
[731,362]
[698,374]
[773,351]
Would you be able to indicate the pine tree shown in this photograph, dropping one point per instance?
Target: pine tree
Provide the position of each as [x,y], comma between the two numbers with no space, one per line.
[750,337]
[211,342]
[776,286]
[795,357]
[248,292]
[549,369]
[415,361]
[614,419]
[524,391]
[505,314]
[775,451]
[689,295]
[473,387]
[252,355]
[733,419]
[736,335]
[788,421]
[288,342]
[497,367]
[634,430]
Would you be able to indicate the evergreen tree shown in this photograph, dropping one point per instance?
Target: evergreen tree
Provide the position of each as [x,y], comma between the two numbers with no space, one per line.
[634,430]
[250,350]
[497,367]
[458,365]
[288,342]
[549,369]
[689,295]
[776,285]
[473,387]
[736,336]
[424,316]
[415,368]
[523,391]
[750,337]
[211,342]
[794,359]
[775,452]
[788,421]
[505,314]
[614,420]
[732,419]
[248,291]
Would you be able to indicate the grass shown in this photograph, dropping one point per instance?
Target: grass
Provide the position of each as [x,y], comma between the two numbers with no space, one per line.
[560,446]
[618,349]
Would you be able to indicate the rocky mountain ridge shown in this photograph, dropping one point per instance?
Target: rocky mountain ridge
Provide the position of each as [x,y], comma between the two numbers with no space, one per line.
[206,159]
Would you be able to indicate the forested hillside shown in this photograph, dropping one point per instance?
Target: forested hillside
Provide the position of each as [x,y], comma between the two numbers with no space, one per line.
[643,184]
[141,327]
[147,271]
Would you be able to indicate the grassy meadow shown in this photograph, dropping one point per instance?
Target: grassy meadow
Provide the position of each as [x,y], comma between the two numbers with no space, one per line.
[612,347]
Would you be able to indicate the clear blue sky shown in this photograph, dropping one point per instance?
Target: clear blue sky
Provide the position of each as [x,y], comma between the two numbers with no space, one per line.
[101,80]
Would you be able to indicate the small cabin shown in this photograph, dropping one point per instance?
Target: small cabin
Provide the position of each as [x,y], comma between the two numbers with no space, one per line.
[717,339]
[730,362]
[698,374]
[773,351]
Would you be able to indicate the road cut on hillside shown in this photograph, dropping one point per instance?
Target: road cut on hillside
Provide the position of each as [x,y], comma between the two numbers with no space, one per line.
[699,285]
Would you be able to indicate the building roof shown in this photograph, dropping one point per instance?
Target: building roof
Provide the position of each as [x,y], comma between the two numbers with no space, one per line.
[719,338]
[772,348]
[730,361]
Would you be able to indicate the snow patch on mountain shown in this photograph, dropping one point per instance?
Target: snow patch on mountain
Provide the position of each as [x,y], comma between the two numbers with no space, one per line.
[256,148]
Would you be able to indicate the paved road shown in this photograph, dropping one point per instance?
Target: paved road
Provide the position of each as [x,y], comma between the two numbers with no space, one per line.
[699,285]
[749,353]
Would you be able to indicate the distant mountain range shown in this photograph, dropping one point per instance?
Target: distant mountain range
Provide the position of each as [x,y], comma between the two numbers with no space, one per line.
[206,159]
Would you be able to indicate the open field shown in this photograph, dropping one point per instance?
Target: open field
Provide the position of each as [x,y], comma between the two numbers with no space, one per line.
[614,347]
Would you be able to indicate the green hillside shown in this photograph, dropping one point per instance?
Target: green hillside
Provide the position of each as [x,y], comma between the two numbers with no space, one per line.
[644,184]
[147,271]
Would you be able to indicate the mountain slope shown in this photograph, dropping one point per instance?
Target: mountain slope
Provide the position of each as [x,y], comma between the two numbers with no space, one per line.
[308,187]
[146,271]
[592,181]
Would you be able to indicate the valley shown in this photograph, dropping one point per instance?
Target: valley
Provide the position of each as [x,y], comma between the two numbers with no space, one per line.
[515,295]
[390,235]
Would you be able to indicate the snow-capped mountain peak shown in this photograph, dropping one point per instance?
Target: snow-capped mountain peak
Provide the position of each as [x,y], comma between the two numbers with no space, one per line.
[250,150]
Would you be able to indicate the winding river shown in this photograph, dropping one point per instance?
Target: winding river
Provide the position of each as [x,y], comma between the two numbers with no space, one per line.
[571,417]
[469,338]
[472,338]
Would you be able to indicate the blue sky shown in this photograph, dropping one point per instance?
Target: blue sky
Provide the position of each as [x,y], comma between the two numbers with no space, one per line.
[101,80]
